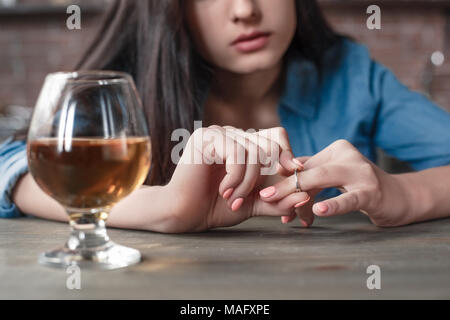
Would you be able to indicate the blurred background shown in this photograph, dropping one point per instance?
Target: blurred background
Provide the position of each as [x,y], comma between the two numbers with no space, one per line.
[413,42]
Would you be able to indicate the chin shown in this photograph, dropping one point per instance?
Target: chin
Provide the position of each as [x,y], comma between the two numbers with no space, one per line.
[254,62]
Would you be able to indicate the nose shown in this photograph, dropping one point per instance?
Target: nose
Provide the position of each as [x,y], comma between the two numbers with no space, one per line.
[244,10]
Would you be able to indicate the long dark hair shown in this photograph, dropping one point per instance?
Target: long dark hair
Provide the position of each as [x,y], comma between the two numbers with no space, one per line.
[149,40]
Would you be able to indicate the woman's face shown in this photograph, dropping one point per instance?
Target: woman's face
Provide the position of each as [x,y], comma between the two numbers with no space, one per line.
[242,36]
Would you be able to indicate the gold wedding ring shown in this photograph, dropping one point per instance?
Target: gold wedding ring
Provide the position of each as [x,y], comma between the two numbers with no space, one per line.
[297,182]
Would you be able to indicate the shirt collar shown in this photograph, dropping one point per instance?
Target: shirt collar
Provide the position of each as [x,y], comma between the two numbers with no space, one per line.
[300,93]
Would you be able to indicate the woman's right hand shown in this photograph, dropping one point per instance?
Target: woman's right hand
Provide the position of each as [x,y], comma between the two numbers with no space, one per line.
[217,181]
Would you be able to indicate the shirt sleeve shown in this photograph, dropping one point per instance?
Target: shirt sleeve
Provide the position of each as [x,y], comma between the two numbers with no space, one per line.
[409,127]
[13,164]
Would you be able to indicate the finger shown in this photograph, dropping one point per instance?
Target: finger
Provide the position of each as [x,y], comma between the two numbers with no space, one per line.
[280,135]
[281,189]
[225,150]
[245,186]
[336,148]
[281,208]
[236,195]
[326,176]
[269,150]
[344,203]
[287,173]
[305,214]
[261,144]
[294,200]
[192,165]
[288,219]
[316,178]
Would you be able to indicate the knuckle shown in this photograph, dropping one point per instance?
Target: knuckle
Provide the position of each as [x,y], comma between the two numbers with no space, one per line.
[199,131]
[337,148]
[341,143]
[281,133]
[199,136]
[281,130]
[344,144]
[202,134]
[215,127]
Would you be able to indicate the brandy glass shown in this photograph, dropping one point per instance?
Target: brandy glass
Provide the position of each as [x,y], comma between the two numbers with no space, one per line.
[89,147]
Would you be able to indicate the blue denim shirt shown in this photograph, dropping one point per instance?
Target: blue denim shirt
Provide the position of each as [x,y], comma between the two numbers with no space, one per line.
[13,163]
[355,98]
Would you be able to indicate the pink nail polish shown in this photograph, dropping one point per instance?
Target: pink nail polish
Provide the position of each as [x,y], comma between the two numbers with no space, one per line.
[237,204]
[227,193]
[323,208]
[297,162]
[267,192]
[284,219]
[301,203]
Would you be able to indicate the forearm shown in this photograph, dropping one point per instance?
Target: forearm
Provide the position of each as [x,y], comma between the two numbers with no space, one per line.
[427,194]
[30,199]
[148,208]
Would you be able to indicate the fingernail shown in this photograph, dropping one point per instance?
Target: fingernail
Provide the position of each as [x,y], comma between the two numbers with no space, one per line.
[284,219]
[301,203]
[267,192]
[237,204]
[303,222]
[323,207]
[227,193]
[298,163]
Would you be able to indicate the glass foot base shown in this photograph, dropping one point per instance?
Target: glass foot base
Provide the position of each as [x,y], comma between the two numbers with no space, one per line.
[107,257]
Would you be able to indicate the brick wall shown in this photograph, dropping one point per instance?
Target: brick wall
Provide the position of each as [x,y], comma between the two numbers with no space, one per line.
[409,35]
[34,44]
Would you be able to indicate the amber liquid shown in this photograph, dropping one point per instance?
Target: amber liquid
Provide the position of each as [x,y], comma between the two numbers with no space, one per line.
[89,172]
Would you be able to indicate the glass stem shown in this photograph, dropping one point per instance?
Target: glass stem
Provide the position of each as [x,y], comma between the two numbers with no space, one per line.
[88,231]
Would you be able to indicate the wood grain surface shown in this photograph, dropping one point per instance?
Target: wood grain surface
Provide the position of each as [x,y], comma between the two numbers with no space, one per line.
[259,259]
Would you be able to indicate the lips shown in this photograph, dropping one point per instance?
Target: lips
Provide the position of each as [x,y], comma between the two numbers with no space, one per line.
[251,42]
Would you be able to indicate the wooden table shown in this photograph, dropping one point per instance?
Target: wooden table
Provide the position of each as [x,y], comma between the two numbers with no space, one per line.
[259,259]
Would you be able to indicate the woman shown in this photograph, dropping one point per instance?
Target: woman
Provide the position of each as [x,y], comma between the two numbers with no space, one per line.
[267,65]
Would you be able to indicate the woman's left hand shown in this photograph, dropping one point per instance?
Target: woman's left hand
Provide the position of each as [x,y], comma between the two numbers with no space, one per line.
[364,187]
